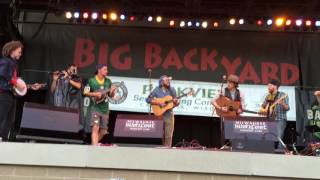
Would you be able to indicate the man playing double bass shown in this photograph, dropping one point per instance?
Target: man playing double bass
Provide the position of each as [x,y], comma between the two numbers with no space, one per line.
[230,101]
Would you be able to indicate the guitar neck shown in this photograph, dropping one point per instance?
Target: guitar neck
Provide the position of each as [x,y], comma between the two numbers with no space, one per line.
[179,97]
[252,112]
[278,101]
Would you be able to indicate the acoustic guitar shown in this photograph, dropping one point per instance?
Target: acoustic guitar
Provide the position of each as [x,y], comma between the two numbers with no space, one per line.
[168,101]
[232,107]
[272,106]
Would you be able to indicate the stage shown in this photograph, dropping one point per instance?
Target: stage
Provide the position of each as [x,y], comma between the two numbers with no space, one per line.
[66,161]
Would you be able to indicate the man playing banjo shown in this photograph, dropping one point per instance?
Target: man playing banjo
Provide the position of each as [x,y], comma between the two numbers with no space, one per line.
[9,81]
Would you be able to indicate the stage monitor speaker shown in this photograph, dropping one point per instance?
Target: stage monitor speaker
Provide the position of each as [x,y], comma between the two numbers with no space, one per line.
[49,124]
[264,146]
[138,129]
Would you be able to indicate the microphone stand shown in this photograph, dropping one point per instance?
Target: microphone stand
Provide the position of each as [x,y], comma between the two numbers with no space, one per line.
[150,87]
[221,88]
[221,119]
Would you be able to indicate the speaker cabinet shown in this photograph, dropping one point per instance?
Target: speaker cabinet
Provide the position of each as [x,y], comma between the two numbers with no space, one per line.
[49,124]
[138,129]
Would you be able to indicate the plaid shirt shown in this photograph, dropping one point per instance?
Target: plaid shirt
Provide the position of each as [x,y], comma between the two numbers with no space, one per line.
[279,112]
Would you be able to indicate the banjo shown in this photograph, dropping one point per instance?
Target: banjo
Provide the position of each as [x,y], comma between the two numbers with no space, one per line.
[20,92]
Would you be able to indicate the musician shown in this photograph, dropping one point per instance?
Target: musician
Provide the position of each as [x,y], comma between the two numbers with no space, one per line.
[99,111]
[279,112]
[232,92]
[315,106]
[65,88]
[165,89]
[11,53]
[316,102]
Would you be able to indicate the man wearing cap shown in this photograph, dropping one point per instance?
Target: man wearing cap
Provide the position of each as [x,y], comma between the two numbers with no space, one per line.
[164,89]
[280,109]
[97,87]
[232,92]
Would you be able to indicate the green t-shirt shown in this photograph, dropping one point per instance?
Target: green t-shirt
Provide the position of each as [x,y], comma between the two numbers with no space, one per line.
[94,85]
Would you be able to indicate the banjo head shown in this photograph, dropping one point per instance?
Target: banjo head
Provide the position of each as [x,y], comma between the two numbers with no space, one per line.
[23,91]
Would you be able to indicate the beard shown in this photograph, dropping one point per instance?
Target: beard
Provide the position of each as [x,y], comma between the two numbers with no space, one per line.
[166,85]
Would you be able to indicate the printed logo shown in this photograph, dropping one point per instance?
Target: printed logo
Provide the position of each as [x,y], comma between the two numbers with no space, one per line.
[121,93]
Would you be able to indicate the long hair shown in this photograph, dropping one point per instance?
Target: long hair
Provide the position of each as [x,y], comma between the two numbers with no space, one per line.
[9,47]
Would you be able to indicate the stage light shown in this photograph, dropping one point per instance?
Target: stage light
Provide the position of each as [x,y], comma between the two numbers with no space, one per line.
[85,15]
[197,24]
[132,18]
[215,24]
[232,21]
[76,15]
[279,21]
[171,23]
[159,19]
[182,23]
[122,17]
[269,22]
[259,22]
[68,15]
[317,23]
[113,16]
[308,23]
[241,21]
[204,24]
[94,16]
[298,22]
[150,18]
[288,22]
[104,16]
[189,24]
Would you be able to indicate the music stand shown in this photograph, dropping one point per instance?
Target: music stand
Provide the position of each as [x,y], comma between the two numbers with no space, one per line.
[312,129]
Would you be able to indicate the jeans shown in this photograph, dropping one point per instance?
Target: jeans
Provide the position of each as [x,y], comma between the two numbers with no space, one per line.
[168,120]
[280,130]
[6,118]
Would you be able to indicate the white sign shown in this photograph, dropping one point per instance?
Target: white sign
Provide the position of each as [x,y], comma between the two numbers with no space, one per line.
[199,103]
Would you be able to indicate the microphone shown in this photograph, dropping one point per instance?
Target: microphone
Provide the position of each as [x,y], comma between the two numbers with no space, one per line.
[224,77]
[149,70]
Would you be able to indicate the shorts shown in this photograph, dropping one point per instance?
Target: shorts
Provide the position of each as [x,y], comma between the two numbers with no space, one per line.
[100,119]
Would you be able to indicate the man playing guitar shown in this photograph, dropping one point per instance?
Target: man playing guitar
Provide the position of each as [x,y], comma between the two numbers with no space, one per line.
[11,53]
[230,95]
[276,105]
[164,89]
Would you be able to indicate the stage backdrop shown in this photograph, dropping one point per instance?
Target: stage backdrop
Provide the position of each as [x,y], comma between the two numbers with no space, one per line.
[197,55]
[187,55]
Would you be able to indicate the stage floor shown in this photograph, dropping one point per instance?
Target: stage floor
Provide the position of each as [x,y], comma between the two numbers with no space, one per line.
[208,161]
